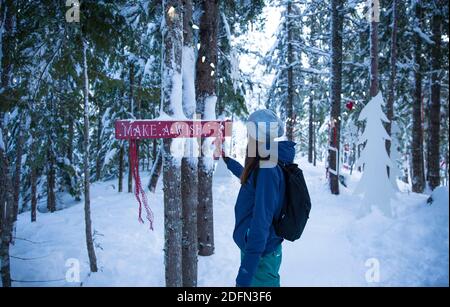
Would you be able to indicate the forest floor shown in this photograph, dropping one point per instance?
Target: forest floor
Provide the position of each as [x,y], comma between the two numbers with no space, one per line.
[338,248]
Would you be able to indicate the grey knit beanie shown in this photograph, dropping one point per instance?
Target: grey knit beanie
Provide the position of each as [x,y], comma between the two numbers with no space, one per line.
[264,126]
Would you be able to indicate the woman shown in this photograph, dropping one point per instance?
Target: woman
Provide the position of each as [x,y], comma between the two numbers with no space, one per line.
[259,203]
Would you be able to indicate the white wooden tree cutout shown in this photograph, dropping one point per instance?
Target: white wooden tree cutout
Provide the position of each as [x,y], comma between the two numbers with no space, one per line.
[375,186]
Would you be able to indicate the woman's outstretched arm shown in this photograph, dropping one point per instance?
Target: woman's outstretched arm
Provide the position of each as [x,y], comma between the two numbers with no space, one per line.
[234,166]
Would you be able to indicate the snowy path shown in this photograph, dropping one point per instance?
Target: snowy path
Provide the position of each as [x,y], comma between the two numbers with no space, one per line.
[411,250]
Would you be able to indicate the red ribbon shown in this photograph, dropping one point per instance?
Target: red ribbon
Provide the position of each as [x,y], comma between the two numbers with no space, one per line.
[138,190]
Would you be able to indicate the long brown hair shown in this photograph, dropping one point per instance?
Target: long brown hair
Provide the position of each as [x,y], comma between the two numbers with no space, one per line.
[250,164]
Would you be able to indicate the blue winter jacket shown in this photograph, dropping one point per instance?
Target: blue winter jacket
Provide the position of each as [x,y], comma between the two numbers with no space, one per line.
[255,211]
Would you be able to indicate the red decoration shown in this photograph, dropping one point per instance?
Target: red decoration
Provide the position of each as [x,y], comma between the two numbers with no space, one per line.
[350,105]
[138,190]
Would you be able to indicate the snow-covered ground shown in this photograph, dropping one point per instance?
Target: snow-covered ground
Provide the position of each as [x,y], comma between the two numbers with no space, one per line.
[336,249]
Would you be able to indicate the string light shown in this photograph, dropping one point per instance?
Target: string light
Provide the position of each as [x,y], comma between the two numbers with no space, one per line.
[171,12]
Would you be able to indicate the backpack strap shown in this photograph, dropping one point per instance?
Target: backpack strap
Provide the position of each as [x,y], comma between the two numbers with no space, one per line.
[256,170]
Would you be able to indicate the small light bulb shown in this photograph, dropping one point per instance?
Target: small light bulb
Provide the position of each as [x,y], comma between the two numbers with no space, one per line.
[171,12]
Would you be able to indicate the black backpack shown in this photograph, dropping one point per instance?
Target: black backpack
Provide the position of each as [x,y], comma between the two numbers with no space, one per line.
[297,205]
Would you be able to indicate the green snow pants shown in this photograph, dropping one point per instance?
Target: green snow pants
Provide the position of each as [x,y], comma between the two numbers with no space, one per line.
[267,272]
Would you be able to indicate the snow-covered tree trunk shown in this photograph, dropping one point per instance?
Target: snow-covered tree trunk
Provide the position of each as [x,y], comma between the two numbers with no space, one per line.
[206,100]
[171,104]
[418,174]
[433,175]
[392,77]
[336,89]
[189,171]
[290,76]
[87,198]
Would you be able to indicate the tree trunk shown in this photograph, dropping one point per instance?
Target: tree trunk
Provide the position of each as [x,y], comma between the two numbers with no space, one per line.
[206,92]
[336,88]
[290,78]
[418,176]
[189,175]
[391,90]
[189,184]
[33,182]
[314,143]
[130,176]
[205,223]
[446,148]
[156,171]
[7,44]
[310,129]
[98,160]
[145,154]
[6,193]
[51,197]
[148,157]
[6,210]
[70,138]
[18,169]
[154,149]
[171,99]
[120,177]
[374,49]
[87,199]
[34,172]
[435,107]
[69,150]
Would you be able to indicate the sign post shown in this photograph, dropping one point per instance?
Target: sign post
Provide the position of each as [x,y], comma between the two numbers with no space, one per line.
[133,130]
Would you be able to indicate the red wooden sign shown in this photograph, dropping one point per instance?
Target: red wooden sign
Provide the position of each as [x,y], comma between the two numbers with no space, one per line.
[162,129]
[133,130]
